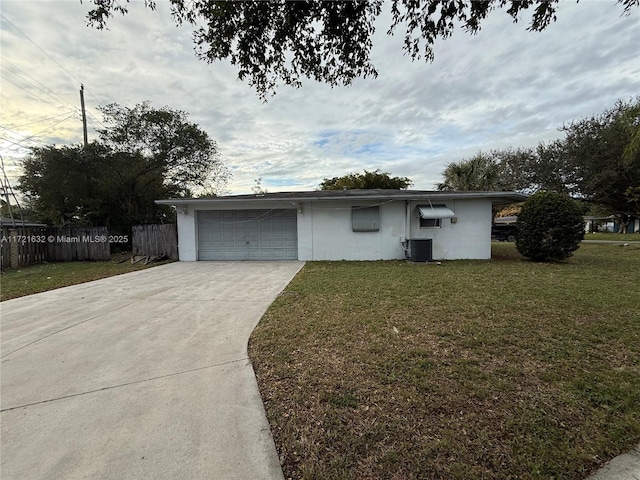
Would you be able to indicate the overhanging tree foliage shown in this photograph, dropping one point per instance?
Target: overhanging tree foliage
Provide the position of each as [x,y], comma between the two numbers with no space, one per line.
[284,40]
[367,180]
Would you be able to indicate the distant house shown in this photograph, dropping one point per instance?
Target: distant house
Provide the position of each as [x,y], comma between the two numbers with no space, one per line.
[338,225]
[599,224]
[632,227]
[610,224]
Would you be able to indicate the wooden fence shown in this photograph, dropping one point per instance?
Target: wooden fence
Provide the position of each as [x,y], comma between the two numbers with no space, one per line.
[68,244]
[155,240]
[22,246]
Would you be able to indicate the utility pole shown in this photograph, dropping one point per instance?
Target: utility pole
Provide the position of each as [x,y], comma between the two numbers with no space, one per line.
[84,116]
[7,192]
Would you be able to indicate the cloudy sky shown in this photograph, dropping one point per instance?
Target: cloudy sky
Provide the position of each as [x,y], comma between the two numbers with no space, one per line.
[503,87]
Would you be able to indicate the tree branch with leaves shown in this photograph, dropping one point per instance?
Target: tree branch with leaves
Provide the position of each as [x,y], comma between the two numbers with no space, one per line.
[284,41]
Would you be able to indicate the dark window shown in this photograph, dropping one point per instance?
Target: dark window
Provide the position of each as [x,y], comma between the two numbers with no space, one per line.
[429,222]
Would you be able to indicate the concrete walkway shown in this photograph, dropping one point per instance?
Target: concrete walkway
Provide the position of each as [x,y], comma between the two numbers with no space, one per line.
[613,242]
[623,467]
[139,376]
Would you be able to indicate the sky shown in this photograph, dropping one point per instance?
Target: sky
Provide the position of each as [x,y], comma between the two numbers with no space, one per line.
[502,87]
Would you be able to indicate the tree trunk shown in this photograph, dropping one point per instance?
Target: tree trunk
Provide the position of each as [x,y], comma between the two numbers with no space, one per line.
[624,223]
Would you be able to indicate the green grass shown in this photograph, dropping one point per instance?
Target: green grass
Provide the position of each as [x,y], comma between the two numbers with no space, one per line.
[472,369]
[48,276]
[625,237]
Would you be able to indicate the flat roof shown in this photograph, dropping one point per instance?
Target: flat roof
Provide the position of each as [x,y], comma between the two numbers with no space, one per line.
[334,195]
[8,222]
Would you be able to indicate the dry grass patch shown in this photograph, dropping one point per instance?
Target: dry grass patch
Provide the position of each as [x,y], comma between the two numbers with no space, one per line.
[49,276]
[472,369]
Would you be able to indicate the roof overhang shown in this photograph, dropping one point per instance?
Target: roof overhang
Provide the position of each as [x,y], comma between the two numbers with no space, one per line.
[342,195]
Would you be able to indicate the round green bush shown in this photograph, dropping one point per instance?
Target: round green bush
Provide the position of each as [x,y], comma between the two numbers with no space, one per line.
[550,227]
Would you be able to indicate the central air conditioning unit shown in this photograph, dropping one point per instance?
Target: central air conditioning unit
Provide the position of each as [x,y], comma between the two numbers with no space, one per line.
[421,250]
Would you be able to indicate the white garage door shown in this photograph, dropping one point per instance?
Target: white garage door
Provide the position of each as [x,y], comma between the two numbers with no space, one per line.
[247,235]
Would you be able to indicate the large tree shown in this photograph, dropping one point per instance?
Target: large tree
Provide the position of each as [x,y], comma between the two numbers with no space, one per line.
[597,161]
[534,169]
[605,171]
[366,181]
[329,41]
[479,173]
[176,148]
[93,185]
[57,182]
[523,169]
[143,154]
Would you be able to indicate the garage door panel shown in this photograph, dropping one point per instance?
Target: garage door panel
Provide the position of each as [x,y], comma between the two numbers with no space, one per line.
[273,243]
[247,235]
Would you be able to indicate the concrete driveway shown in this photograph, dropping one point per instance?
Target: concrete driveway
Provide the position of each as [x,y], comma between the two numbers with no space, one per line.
[139,376]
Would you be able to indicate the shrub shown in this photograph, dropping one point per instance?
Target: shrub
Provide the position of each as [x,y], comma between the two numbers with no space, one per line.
[550,227]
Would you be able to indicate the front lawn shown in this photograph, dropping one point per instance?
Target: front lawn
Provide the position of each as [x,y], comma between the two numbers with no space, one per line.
[470,369]
[48,276]
[620,237]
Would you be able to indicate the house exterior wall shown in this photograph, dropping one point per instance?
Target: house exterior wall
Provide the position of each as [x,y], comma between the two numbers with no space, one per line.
[468,236]
[325,229]
[325,232]
[187,234]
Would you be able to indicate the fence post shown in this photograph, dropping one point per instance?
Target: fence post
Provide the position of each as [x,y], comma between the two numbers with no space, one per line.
[14,258]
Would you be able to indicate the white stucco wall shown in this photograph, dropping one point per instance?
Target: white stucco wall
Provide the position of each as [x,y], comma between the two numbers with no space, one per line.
[187,238]
[467,238]
[325,230]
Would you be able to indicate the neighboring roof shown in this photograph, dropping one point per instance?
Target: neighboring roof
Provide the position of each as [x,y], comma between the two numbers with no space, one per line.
[7,222]
[374,194]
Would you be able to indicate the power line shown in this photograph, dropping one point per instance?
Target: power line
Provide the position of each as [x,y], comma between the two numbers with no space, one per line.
[15,143]
[12,67]
[55,61]
[91,93]
[57,104]
[19,142]
[44,119]
[92,116]
[39,48]
[24,138]
[30,137]
[50,127]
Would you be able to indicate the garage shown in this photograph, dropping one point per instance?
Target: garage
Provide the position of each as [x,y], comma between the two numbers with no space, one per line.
[247,234]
